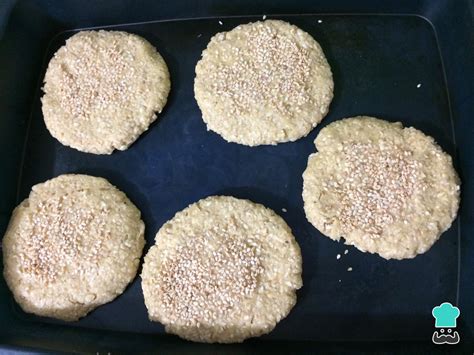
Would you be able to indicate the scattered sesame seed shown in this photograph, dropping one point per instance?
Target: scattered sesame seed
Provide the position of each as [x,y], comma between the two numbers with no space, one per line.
[220,23]
[380,178]
[201,283]
[284,210]
[320,21]
[338,256]
[349,269]
[418,86]
[264,17]
[275,74]
[346,251]
[88,84]
[339,280]
[59,229]
[199,35]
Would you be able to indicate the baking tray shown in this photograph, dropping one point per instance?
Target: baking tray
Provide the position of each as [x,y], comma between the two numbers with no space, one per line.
[389,66]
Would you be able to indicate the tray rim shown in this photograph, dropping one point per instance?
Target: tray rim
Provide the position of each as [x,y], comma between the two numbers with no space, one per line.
[293,14]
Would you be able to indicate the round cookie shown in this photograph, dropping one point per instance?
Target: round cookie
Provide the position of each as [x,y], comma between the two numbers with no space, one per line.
[383,188]
[263,83]
[222,270]
[103,89]
[74,244]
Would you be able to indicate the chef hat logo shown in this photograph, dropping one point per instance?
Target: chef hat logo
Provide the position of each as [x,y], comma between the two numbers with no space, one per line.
[445,315]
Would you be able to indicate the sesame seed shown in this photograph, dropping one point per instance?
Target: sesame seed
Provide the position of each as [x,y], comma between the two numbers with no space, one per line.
[346,251]
[264,17]
[269,68]
[349,269]
[320,21]
[380,178]
[284,210]
[88,85]
[201,283]
[220,23]
[57,238]
[418,86]
[199,35]
[338,256]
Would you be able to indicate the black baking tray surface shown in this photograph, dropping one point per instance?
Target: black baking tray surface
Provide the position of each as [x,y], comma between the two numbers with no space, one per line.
[384,65]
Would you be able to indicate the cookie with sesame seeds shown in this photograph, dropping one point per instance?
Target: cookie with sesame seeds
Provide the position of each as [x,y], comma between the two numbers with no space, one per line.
[74,244]
[102,90]
[384,188]
[263,83]
[222,270]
